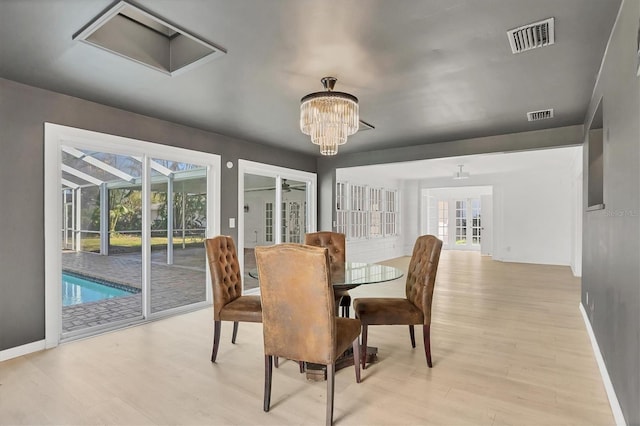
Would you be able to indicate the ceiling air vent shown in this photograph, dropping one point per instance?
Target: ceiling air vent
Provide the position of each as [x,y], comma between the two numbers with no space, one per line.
[138,35]
[543,114]
[531,36]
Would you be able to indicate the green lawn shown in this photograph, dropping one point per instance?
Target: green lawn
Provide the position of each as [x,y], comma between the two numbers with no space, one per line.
[92,243]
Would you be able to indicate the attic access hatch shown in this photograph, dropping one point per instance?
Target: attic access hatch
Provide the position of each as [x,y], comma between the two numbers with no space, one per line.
[135,34]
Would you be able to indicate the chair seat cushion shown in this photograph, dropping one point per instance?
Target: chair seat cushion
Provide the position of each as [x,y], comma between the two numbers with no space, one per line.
[347,329]
[244,308]
[387,311]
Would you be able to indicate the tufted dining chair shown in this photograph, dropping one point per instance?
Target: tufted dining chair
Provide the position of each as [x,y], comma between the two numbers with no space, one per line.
[226,282]
[416,307]
[298,313]
[335,243]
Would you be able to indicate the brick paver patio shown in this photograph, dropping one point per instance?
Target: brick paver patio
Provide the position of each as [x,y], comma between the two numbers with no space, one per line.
[174,285]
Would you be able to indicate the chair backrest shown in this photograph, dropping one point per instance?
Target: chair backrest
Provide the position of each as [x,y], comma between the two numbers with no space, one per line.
[297,302]
[226,280]
[333,241]
[421,275]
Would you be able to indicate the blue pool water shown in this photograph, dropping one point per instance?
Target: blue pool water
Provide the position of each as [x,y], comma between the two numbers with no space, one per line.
[76,290]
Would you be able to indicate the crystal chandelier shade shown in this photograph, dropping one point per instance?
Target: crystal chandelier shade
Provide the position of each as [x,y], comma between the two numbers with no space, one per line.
[329,117]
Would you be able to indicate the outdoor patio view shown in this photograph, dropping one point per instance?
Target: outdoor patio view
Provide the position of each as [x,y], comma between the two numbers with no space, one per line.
[102,235]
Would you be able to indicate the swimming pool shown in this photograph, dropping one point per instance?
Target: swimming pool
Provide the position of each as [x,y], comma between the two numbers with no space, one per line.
[77,289]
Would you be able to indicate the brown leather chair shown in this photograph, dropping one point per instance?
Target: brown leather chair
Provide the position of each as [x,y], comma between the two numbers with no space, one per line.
[298,313]
[416,307]
[226,283]
[335,243]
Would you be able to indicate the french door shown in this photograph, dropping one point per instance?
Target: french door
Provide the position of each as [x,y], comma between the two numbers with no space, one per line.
[460,223]
[276,205]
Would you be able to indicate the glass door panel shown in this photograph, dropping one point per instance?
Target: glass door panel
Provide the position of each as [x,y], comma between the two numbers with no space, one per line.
[468,224]
[294,211]
[461,223]
[443,221]
[476,222]
[259,220]
[104,286]
[178,225]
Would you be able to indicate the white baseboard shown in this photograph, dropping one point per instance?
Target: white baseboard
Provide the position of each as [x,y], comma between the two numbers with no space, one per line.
[22,350]
[577,272]
[611,393]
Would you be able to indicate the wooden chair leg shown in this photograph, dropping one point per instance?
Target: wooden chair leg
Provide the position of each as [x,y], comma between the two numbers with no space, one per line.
[426,333]
[216,340]
[276,362]
[345,303]
[363,351]
[301,364]
[356,358]
[235,332]
[331,375]
[412,334]
[268,373]
[345,311]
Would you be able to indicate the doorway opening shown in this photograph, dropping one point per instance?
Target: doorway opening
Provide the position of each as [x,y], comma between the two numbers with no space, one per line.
[460,216]
[276,205]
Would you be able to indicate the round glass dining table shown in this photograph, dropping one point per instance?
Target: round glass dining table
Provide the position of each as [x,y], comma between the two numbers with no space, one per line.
[353,274]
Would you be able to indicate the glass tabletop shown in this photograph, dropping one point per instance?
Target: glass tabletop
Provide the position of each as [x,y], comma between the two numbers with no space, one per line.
[352,274]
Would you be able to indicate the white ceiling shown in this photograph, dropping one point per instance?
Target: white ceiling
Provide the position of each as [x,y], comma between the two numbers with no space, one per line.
[424,70]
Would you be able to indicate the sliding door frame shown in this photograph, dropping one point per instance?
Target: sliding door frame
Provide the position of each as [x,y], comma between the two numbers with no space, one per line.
[55,137]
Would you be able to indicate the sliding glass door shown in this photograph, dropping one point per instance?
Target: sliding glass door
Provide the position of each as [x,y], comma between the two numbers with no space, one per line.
[130,230]
[178,230]
[102,235]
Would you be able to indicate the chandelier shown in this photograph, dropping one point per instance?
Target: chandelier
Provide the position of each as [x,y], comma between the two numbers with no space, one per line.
[329,117]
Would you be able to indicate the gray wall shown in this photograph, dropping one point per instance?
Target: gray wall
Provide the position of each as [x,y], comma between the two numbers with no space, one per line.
[611,237]
[23,110]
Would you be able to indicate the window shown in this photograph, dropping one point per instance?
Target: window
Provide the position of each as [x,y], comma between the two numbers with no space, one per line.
[391,213]
[358,215]
[364,212]
[375,212]
[341,208]
[268,228]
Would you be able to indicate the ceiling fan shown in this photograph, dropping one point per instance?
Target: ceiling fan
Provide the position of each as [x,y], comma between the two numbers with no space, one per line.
[285,187]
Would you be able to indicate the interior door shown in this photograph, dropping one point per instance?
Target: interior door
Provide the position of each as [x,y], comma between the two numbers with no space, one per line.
[276,205]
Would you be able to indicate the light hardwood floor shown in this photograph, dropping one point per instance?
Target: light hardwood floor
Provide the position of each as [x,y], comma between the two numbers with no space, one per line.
[509,348]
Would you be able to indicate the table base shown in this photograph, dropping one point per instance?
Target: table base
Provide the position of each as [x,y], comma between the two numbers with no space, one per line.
[318,372]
